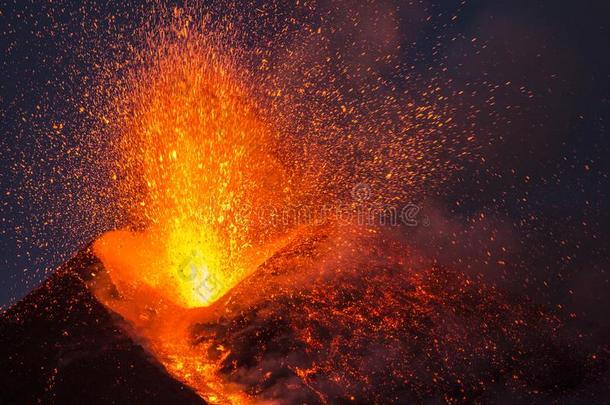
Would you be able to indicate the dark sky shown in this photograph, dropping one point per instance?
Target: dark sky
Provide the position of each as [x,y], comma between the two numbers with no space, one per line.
[545,173]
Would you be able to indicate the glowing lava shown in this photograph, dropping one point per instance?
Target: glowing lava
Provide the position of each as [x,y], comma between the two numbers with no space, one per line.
[195,160]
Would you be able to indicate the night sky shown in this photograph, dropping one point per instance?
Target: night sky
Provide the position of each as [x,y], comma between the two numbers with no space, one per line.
[541,184]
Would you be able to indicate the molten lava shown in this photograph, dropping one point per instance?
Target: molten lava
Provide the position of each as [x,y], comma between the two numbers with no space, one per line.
[195,168]
[195,160]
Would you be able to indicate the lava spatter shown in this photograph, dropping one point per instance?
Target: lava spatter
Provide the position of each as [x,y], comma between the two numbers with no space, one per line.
[210,151]
[194,153]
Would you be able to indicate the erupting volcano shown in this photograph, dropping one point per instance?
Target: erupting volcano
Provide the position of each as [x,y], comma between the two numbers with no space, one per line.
[266,240]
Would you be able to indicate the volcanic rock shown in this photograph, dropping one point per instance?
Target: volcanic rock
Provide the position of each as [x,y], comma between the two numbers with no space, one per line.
[356,320]
[59,345]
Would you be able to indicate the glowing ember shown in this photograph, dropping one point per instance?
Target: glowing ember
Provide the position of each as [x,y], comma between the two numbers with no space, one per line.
[202,173]
[201,168]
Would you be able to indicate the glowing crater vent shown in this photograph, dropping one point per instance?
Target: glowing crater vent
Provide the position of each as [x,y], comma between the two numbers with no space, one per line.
[187,272]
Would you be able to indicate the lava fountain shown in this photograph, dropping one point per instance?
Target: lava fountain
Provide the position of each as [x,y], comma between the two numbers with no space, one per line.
[196,158]
[195,165]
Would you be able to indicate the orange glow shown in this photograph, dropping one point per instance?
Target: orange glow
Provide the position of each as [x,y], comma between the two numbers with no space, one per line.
[195,156]
[194,161]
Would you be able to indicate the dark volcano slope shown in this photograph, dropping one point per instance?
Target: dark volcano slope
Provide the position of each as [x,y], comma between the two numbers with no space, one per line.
[307,327]
[59,345]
